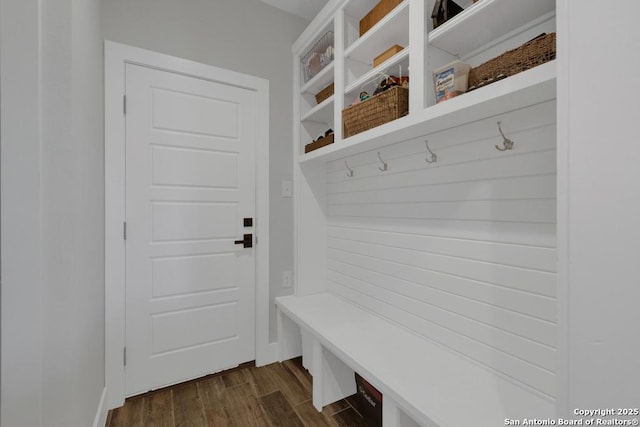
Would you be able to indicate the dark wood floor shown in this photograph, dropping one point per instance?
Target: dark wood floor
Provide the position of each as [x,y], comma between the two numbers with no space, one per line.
[274,395]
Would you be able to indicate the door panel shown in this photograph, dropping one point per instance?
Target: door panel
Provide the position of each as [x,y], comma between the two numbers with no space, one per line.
[196,168]
[184,275]
[176,221]
[168,328]
[190,291]
[166,102]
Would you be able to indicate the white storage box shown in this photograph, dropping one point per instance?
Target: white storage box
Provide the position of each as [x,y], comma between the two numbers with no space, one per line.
[451,80]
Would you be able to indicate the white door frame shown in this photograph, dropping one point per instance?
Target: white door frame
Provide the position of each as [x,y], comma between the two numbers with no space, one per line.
[116,57]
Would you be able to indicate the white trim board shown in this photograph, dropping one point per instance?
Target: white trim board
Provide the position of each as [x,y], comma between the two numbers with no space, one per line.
[116,57]
[100,419]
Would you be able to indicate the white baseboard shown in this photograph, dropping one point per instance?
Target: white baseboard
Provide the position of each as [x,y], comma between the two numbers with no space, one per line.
[269,355]
[101,414]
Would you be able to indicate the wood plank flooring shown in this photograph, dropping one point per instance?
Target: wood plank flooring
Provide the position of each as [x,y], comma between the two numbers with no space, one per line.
[276,395]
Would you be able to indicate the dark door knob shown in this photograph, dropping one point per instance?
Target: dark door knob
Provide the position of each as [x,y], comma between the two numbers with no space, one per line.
[247,241]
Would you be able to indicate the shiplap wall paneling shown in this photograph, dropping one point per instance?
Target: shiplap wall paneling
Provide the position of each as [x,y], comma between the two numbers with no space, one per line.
[462,251]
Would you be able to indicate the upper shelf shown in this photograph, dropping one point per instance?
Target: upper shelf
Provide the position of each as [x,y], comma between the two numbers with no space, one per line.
[359,8]
[321,113]
[319,81]
[521,90]
[390,30]
[486,21]
[390,66]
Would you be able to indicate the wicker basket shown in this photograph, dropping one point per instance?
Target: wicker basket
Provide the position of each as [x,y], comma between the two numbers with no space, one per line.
[375,111]
[324,93]
[535,52]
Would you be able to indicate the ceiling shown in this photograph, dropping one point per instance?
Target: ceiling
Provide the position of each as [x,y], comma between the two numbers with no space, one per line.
[306,9]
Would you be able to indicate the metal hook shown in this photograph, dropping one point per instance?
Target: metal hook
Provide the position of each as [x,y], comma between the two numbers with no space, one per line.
[350,173]
[434,158]
[384,165]
[507,143]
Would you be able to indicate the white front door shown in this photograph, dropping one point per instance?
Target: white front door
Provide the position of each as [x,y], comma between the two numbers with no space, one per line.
[190,181]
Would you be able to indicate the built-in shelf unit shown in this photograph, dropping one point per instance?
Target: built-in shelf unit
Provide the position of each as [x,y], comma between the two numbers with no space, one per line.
[466,244]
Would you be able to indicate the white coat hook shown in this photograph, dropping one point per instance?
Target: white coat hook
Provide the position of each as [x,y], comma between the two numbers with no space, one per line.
[434,158]
[507,143]
[384,165]
[350,173]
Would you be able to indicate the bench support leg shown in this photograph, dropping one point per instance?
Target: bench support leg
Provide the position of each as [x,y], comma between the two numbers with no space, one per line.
[317,376]
[289,340]
[390,413]
[307,350]
[332,379]
[393,416]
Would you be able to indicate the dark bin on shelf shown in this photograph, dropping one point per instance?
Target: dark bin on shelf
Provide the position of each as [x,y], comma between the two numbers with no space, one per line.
[369,402]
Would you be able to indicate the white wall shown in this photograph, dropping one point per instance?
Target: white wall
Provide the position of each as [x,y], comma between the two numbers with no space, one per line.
[22,295]
[52,213]
[599,221]
[241,35]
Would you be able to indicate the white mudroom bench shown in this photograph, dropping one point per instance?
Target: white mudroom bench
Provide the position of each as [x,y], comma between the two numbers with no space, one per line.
[422,383]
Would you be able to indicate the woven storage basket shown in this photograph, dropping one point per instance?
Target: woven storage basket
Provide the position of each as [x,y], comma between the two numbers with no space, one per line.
[375,111]
[535,52]
[324,93]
